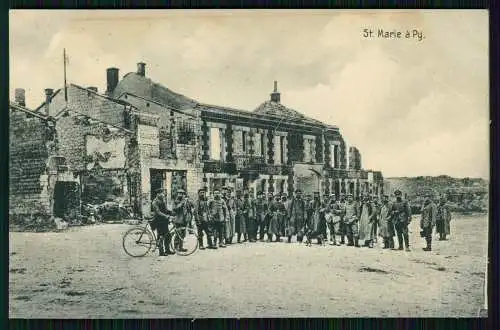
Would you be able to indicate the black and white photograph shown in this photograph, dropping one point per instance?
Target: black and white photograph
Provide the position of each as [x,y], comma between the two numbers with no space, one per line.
[248,163]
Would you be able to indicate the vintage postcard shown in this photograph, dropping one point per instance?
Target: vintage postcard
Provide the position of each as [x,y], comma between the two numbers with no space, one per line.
[248,163]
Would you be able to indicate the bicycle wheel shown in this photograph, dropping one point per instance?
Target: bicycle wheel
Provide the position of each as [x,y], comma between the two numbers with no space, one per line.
[184,241]
[137,241]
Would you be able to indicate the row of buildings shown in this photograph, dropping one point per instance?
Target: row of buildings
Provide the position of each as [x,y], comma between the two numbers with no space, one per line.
[82,146]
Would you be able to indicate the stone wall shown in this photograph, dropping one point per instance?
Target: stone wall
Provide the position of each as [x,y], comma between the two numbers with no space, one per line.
[73,128]
[28,155]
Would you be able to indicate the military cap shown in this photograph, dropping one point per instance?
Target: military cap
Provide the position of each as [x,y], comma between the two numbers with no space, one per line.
[259,193]
[349,195]
[201,190]
[397,193]
[180,191]
[316,193]
[332,195]
[298,191]
[160,190]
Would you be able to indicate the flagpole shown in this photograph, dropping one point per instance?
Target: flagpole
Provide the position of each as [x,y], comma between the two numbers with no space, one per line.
[65,85]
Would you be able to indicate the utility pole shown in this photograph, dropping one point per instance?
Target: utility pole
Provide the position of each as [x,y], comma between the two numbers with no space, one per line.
[65,85]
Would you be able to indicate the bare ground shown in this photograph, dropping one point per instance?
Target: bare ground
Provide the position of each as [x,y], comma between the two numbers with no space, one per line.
[84,273]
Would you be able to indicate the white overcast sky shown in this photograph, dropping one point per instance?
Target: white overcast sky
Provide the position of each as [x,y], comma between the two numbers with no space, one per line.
[412,108]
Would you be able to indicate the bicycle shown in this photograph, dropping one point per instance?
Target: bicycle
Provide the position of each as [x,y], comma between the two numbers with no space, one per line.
[184,240]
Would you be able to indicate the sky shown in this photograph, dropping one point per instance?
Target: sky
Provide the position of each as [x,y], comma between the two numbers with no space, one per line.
[411,107]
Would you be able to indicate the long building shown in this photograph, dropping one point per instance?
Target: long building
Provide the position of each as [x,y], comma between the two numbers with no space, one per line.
[139,135]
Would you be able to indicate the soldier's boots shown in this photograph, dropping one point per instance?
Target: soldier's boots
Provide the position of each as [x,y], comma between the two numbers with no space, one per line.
[289,240]
[238,238]
[342,239]
[350,241]
[356,242]
[278,238]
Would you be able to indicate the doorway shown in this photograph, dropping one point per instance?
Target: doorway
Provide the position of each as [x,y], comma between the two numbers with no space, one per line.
[157,181]
[66,198]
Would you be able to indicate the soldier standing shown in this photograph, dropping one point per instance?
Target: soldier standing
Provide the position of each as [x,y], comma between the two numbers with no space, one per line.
[342,228]
[218,213]
[183,214]
[274,216]
[261,211]
[284,215]
[443,220]
[336,212]
[202,220]
[427,222]
[375,217]
[351,220]
[365,222]
[250,216]
[401,215]
[161,219]
[298,215]
[240,218]
[317,223]
[230,222]
[386,229]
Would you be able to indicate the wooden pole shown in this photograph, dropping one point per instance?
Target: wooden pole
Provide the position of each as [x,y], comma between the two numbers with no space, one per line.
[65,85]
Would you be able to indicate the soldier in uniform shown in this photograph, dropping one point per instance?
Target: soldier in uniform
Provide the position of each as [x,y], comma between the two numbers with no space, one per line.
[218,213]
[284,215]
[202,219]
[367,211]
[161,219]
[183,211]
[317,223]
[269,214]
[351,218]
[274,219]
[386,229]
[427,222]
[335,214]
[342,228]
[240,218]
[230,222]
[401,217]
[250,216]
[261,211]
[443,220]
[375,218]
[298,215]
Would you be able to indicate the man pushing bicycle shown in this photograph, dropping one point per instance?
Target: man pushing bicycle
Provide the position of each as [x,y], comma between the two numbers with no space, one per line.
[161,219]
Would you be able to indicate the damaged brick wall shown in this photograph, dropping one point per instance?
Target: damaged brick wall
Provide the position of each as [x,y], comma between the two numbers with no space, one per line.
[28,155]
[72,132]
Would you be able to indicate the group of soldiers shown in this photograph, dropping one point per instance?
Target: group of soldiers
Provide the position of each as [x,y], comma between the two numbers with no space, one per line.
[224,216]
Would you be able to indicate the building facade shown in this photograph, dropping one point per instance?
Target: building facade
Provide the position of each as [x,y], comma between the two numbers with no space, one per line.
[138,136]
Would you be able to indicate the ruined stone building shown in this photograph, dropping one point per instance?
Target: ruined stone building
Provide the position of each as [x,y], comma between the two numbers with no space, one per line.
[139,136]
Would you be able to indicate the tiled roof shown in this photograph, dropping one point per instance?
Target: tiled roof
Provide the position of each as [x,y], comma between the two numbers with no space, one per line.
[280,111]
[140,86]
[146,88]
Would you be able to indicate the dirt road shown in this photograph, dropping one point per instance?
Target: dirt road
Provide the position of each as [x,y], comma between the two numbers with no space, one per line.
[84,273]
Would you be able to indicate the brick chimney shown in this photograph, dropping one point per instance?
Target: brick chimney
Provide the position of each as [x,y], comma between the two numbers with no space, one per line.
[48,96]
[93,88]
[141,69]
[275,95]
[112,79]
[20,96]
